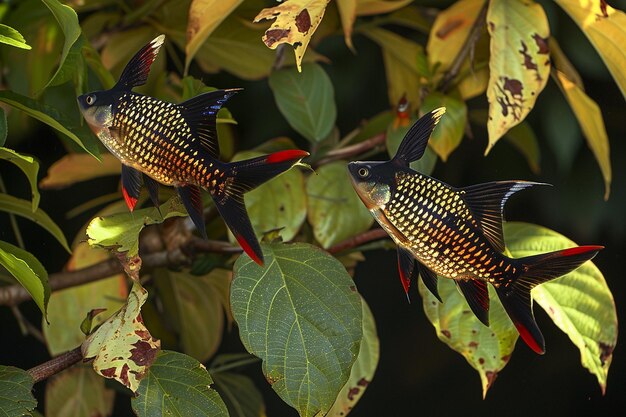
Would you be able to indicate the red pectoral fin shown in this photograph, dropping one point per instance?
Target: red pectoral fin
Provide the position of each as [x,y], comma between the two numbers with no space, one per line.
[131,186]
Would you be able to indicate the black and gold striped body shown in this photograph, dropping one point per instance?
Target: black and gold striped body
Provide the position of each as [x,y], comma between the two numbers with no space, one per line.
[438,228]
[153,137]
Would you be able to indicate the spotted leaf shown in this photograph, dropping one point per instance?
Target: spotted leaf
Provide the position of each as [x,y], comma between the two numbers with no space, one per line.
[296,21]
[122,348]
[519,64]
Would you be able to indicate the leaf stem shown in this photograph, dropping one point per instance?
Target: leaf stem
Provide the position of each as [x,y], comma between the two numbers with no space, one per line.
[13,220]
[55,365]
[468,46]
[352,150]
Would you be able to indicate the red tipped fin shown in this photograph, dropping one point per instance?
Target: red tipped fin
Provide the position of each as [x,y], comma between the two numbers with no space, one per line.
[138,68]
[528,338]
[283,156]
[580,250]
[131,202]
[248,249]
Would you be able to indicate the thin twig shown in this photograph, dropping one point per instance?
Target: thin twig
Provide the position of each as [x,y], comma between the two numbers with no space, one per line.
[468,47]
[27,327]
[55,365]
[352,150]
[358,240]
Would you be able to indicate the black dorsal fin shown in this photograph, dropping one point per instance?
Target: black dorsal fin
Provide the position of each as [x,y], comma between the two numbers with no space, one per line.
[486,202]
[477,295]
[138,68]
[416,139]
[200,113]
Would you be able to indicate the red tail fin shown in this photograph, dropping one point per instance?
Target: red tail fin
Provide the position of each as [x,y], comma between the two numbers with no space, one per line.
[536,270]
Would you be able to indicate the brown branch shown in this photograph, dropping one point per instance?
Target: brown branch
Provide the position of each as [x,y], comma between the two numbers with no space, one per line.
[467,47]
[55,365]
[358,240]
[352,150]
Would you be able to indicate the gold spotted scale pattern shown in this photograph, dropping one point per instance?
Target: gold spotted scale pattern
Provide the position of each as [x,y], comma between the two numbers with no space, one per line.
[441,232]
[152,136]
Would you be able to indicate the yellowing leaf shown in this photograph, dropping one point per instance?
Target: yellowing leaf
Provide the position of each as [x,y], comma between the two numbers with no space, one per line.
[296,21]
[450,31]
[370,7]
[563,64]
[122,348]
[68,307]
[78,392]
[591,123]
[204,17]
[405,65]
[519,63]
[347,12]
[77,167]
[605,28]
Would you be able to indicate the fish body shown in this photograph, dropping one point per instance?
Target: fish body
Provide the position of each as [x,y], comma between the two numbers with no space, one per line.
[456,233]
[176,145]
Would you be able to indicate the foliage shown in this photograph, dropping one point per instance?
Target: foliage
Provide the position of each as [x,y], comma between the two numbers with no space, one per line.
[301,314]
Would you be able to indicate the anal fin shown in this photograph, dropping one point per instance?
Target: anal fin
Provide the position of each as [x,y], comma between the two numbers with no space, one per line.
[477,295]
[131,186]
[153,189]
[429,278]
[192,200]
[406,269]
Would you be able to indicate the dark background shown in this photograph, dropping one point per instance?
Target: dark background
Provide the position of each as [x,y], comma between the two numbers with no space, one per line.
[417,374]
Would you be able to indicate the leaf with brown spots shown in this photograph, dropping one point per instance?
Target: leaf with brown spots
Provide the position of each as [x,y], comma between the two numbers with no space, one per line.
[605,27]
[486,349]
[122,347]
[580,303]
[363,369]
[519,64]
[296,21]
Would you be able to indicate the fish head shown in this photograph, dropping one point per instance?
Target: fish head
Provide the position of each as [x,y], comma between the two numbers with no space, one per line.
[372,182]
[97,109]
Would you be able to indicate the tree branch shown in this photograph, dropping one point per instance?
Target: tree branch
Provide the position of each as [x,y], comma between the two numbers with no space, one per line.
[55,365]
[352,150]
[358,240]
[468,46]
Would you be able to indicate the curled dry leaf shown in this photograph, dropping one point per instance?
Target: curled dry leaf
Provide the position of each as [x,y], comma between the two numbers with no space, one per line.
[122,347]
[296,21]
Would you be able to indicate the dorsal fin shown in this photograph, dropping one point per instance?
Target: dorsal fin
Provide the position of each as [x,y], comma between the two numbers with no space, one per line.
[414,143]
[200,113]
[138,68]
[486,202]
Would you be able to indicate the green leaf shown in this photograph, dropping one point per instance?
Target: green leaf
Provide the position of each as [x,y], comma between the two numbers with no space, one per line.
[121,231]
[122,348]
[177,384]
[199,305]
[10,36]
[241,396]
[301,315]
[16,397]
[78,167]
[580,303]
[45,115]
[23,208]
[334,209]
[68,21]
[3,127]
[524,140]
[78,392]
[426,164]
[277,204]
[306,100]
[486,349]
[28,271]
[589,117]
[449,131]
[68,307]
[605,28]
[519,64]
[204,17]
[363,369]
[29,166]
[405,65]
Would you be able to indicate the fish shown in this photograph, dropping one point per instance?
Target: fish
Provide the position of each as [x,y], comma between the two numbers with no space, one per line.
[456,233]
[176,145]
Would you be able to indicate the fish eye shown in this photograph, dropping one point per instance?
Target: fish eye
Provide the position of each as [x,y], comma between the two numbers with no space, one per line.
[363,172]
[90,99]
